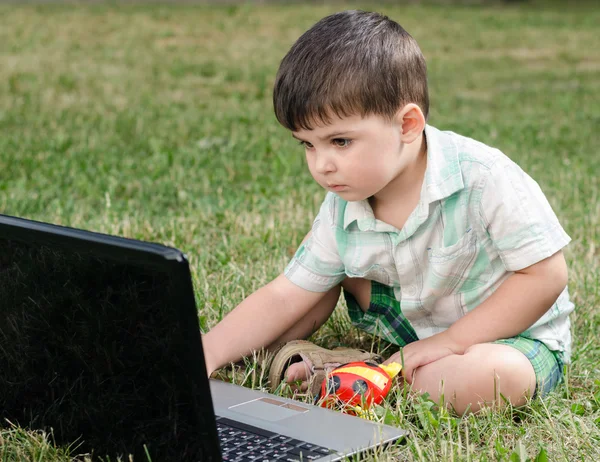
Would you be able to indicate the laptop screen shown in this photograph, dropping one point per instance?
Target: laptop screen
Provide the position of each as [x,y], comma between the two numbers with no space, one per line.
[91,346]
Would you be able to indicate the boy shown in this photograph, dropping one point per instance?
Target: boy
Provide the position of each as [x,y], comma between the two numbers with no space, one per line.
[442,245]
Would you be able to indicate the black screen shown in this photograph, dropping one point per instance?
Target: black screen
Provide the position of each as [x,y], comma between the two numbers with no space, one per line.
[92,349]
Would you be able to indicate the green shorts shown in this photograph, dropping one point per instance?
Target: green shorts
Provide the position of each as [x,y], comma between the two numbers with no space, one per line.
[385,319]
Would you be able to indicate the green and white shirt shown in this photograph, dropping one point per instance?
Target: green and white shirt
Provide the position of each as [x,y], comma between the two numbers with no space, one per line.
[479,218]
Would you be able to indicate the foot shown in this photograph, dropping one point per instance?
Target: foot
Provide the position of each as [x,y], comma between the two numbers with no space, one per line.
[298,373]
[310,364]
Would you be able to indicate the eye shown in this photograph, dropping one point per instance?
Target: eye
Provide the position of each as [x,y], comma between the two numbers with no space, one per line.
[341,142]
[306,144]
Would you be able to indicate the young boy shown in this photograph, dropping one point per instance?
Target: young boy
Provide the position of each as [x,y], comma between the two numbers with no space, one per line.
[441,244]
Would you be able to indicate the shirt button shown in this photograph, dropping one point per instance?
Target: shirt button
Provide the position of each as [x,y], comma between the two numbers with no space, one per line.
[410,289]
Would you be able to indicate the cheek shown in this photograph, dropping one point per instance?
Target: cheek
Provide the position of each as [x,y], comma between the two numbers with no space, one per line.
[309,163]
[371,172]
[370,164]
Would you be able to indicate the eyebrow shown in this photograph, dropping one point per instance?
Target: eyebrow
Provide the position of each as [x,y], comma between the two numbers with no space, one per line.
[330,136]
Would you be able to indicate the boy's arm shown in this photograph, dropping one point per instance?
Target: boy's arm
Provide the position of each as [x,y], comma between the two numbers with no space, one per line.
[516,305]
[257,322]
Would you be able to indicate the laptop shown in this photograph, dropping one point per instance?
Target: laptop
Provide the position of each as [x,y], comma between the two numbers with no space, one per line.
[100,345]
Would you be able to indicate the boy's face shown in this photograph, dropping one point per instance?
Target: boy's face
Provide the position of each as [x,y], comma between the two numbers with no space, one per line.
[355,157]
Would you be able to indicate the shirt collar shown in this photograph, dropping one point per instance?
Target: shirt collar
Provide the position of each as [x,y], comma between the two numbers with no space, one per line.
[443,177]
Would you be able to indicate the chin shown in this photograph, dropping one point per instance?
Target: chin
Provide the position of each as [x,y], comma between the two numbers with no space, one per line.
[351,196]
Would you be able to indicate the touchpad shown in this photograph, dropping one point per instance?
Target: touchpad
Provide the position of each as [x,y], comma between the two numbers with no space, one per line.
[268,409]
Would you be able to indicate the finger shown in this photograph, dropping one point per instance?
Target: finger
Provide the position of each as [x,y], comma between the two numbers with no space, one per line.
[298,387]
[407,375]
[408,370]
[395,358]
[392,359]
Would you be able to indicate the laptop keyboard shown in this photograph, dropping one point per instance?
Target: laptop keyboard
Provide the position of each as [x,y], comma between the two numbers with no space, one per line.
[245,443]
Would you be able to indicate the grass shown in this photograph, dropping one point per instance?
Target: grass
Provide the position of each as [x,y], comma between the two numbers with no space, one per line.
[155,122]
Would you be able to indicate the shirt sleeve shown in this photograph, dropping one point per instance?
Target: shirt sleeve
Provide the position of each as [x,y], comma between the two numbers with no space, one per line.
[317,265]
[518,218]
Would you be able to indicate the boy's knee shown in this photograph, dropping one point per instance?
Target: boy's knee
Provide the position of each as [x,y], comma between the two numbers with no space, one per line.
[512,371]
[502,370]
[486,374]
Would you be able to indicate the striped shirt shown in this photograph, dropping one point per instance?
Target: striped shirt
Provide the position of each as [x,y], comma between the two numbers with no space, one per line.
[479,219]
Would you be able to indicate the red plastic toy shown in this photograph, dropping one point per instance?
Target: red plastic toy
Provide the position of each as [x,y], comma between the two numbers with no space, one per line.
[354,387]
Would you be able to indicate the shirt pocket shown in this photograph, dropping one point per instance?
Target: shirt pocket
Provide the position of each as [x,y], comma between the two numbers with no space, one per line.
[450,268]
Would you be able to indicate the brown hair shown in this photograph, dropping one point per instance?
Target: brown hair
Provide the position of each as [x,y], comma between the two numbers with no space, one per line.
[349,63]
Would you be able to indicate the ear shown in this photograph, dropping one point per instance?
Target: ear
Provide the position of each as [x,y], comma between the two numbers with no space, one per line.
[411,121]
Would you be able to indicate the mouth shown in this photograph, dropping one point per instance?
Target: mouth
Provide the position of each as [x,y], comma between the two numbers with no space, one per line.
[336,187]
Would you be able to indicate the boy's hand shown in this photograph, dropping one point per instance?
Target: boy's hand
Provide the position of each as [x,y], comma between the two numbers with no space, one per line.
[423,352]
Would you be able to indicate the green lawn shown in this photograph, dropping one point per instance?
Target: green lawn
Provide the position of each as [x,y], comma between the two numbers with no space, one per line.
[155,122]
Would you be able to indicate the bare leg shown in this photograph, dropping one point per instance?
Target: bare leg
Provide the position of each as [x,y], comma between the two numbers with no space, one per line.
[478,377]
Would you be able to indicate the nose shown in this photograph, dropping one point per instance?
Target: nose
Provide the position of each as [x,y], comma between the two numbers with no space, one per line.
[324,163]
